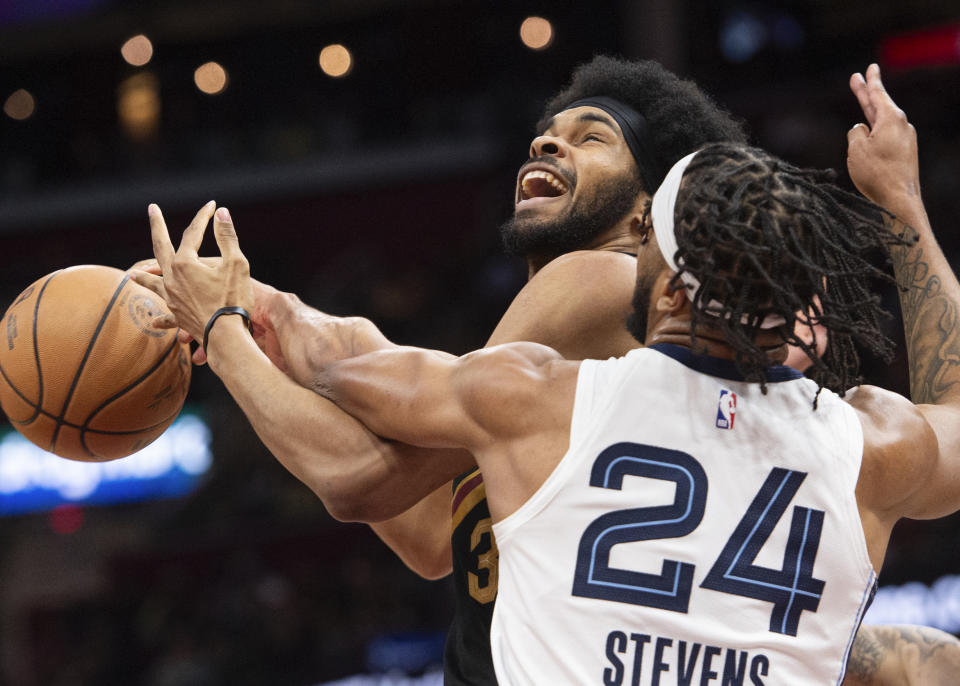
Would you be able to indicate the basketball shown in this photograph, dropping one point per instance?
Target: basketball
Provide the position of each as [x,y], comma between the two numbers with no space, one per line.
[84,375]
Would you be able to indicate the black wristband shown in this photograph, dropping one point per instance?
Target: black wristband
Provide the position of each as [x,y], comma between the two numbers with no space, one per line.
[219,313]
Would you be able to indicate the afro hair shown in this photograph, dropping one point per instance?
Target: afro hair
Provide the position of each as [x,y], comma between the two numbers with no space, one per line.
[680,117]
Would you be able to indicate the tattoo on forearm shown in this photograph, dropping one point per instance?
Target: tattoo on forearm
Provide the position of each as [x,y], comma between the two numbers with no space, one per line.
[866,655]
[930,321]
[921,654]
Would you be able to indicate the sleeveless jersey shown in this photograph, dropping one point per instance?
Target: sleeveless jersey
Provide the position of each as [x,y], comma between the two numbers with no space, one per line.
[467,660]
[696,531]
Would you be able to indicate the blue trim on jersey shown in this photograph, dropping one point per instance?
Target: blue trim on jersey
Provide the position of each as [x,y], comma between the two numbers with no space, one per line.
[606,484]
[723,369]
[865,603]
[796,575]
[746,543]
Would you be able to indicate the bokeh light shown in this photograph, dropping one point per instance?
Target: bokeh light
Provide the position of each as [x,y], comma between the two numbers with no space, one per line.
[66,519]
[137,50]
[336,60]
[211,78]
[138,105]
[536,33]
[20,105]
[741,37]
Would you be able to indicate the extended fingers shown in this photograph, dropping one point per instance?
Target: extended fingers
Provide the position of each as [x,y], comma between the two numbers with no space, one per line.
[874,82]
[859,87]
[226,234]
[162,247]
[883,104]
[193,235]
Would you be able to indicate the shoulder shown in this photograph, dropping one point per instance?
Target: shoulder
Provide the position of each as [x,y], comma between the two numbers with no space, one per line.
[583,261]
[589,271]
[582,273]
[509,387]
[899,445]
[888,418]
[576,304]
[517,364]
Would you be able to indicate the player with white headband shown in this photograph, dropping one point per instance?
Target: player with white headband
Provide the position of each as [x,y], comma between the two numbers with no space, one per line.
[662,212]
[762,239]
[692,509]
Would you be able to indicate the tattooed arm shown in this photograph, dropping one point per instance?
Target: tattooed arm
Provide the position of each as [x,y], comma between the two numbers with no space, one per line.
[882,159]
[903,656]
[883,164]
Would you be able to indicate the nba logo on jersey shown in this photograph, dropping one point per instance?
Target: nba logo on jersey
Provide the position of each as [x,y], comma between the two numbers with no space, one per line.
[726,409]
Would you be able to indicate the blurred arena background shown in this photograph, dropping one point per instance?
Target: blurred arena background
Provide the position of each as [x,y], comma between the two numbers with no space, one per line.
[370,178]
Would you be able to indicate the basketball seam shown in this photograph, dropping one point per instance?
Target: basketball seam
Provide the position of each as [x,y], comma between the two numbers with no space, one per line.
[86,355]
[37,408]
[36,345]
[37,411]
[133,384]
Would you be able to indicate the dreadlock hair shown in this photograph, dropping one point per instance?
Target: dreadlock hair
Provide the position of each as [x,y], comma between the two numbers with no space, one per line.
[764,238]
[680,117]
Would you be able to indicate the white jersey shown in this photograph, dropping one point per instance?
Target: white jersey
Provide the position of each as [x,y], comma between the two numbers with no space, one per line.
[695,532]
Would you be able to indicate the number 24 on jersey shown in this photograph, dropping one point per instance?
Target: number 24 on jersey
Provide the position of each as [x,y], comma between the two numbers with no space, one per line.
[791,589]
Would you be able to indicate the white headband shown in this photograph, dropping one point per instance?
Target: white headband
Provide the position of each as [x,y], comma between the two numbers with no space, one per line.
[663,212]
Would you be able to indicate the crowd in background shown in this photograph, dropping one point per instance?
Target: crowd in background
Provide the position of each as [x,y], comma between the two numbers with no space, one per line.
[248,580]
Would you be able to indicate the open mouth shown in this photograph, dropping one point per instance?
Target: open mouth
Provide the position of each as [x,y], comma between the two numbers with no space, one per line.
[539,183]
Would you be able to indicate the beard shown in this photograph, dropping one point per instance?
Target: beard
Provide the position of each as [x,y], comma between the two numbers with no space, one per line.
[583,221]
[637,320]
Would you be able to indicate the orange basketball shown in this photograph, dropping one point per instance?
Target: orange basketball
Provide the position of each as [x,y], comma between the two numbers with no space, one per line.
[82,373]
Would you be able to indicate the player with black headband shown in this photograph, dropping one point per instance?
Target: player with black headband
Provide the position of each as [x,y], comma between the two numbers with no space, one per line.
[603,144]
[644,531]
[575,303]
[579,205]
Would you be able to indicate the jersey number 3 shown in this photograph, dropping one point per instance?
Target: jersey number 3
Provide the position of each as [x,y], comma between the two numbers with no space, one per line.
[792,588]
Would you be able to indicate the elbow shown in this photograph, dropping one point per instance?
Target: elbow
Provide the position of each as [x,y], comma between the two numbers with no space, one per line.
[370,508]
[348,500]
[347,489]
[348,510]
[356,497]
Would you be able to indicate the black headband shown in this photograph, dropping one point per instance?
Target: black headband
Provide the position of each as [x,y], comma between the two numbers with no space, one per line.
[635,132]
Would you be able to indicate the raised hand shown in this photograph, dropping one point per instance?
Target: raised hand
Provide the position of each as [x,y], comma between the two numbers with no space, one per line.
[195,290]
[266,302]
[882,153]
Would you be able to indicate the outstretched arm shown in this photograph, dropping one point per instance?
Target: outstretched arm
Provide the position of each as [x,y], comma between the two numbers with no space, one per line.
[883,163]
[882,159]
[583,322]
[903,656]
[402,491]
[509,405]
[357,475]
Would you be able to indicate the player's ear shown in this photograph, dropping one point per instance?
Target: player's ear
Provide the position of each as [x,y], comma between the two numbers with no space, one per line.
[643,223]
[669,297]
[640,222]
